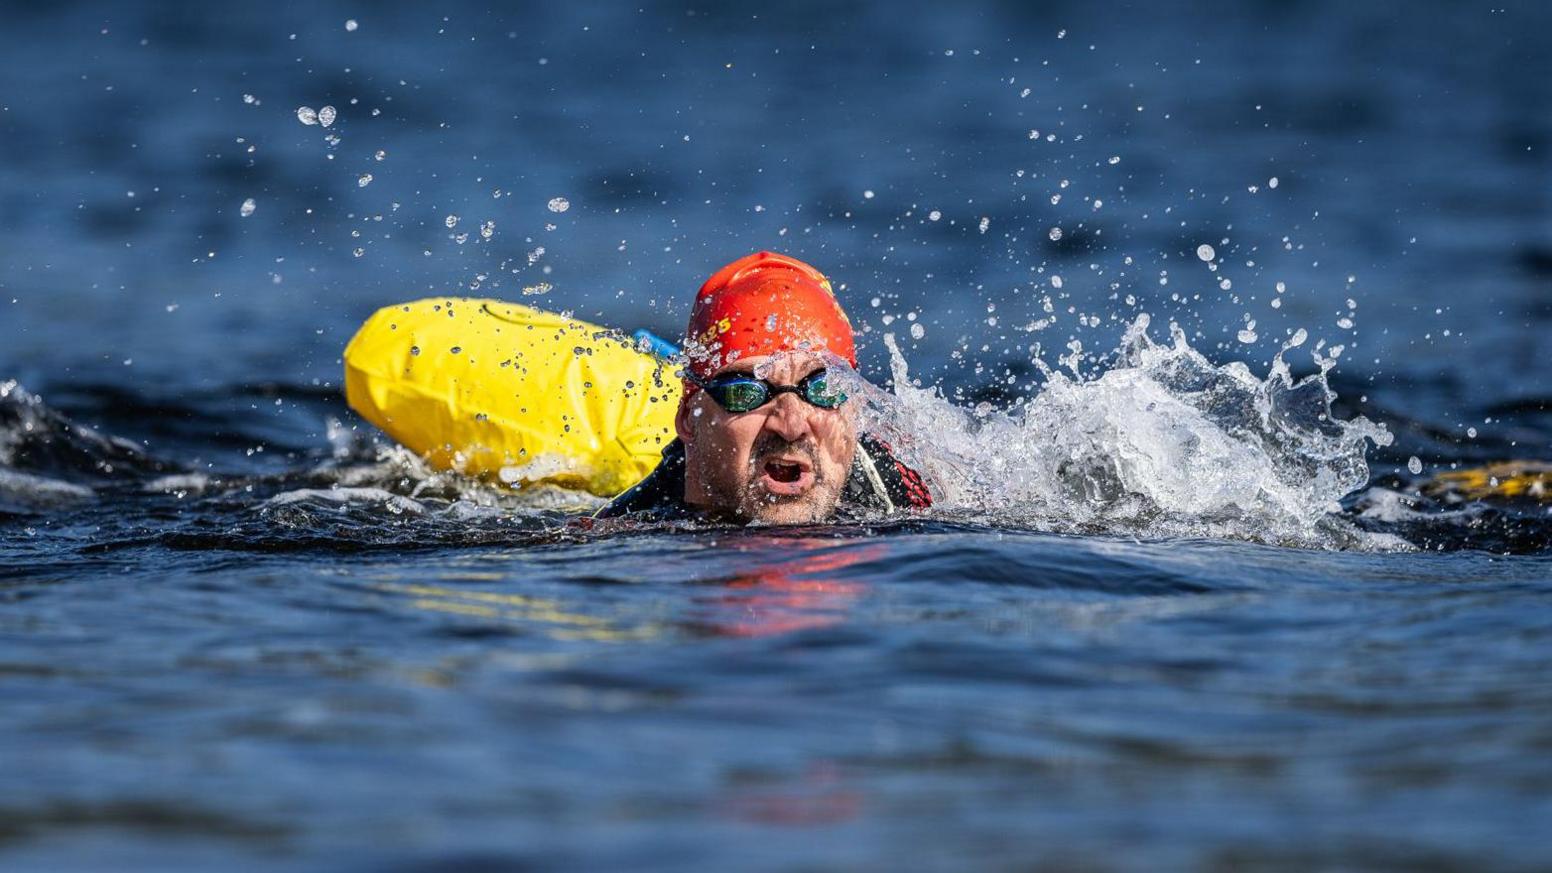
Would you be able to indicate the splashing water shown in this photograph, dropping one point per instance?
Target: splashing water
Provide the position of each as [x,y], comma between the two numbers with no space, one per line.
[1163,444]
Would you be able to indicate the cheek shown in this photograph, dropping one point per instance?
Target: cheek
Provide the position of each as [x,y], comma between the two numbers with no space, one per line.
[836,427]
[728,437]
[838,435]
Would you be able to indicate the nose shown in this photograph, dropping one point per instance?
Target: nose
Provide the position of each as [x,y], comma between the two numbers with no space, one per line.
[788,418]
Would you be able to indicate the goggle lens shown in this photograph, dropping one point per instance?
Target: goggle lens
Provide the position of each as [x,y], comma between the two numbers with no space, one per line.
[817,390]
[741,396]
[739,393]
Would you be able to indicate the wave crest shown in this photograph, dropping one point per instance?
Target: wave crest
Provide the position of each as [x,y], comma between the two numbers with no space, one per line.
[1162,444]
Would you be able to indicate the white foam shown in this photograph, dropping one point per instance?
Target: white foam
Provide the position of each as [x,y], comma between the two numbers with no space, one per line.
[1163,444]
[25,492]
[394,503]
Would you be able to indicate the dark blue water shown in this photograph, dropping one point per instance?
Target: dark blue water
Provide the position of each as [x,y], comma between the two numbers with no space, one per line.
[238,631]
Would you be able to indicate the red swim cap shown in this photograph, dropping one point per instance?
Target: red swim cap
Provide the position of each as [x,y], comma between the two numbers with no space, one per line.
[763,304]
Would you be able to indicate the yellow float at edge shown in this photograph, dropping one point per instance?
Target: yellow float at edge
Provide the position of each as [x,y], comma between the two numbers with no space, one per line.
[508,392]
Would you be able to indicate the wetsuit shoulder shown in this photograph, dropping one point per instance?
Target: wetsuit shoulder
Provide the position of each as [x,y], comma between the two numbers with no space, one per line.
[879,480]
[661,494]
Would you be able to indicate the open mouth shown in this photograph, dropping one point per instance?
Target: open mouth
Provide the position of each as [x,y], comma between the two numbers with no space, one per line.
[783,472]
[787,476]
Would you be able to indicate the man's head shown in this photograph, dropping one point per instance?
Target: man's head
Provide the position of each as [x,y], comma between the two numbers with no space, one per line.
[766,327]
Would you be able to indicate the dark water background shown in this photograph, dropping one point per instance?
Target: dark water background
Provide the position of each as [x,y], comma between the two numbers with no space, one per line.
[212,657]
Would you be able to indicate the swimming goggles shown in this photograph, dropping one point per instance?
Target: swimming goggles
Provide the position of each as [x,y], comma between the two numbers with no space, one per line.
[741,392]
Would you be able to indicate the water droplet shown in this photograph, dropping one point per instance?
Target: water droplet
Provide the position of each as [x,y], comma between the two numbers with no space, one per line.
[985,223]
[1272,182]
[934,215]
[414,351]
[1056,281]
[380,154]
[451,221]
[1281,287]
[1414,465]
[1471,433]
[1344,323]
[488,229]
[1055,234]
[1247,336]
[1205,252]
[917,331]
[456,349]
[247,208]
[868,195]
[351,25]
[1114,159]
[326,116]
[306,115]
[559,204]
[359,252]
[365,180]
[250,99]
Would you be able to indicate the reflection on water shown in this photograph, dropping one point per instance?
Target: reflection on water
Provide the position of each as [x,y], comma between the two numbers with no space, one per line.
[783,597]
[550,617]
[796,594]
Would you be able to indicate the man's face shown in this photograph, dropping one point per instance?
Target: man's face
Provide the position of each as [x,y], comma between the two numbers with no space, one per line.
[781,463]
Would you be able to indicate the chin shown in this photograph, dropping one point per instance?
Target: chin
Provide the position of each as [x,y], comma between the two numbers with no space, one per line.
[809,509]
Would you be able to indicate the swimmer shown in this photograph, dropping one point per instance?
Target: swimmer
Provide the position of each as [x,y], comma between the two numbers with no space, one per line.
[765,432]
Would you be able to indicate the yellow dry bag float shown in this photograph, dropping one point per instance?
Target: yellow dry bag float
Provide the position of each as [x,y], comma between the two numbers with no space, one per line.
[508,392]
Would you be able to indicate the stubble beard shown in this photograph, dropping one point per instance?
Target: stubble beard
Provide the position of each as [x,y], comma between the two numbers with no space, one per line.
[755,504]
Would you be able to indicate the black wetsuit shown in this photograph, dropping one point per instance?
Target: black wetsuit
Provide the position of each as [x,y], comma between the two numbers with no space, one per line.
[877,482]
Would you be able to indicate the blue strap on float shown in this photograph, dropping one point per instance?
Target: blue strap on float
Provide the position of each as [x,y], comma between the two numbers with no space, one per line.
[653,344]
